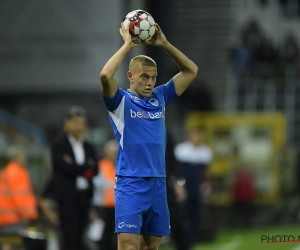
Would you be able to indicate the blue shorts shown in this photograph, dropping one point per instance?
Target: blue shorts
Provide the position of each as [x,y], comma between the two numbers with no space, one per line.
[141,206]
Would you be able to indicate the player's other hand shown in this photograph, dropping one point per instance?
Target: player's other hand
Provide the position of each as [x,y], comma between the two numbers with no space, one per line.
[158,39]
[127,36]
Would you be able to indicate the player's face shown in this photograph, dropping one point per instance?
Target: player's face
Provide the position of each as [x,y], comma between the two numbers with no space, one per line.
[142,80]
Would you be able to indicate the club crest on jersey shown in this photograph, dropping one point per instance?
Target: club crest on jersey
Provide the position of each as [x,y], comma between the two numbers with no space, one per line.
[154,102]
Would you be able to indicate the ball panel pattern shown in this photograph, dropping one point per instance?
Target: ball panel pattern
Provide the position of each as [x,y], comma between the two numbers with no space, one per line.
[141,25]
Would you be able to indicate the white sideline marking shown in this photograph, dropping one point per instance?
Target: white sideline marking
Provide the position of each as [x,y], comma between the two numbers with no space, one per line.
[233,244]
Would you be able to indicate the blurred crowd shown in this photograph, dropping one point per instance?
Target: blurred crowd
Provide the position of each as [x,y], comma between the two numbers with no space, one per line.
[257,55]
[10,136]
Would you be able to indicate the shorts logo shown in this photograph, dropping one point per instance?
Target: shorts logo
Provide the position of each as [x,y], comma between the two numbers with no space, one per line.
[122,224]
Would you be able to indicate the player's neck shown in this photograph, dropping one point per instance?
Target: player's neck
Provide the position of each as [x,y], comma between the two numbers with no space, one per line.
[137,94]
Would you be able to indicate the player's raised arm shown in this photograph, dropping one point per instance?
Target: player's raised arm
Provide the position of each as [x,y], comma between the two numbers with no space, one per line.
[109,85]
[188,69]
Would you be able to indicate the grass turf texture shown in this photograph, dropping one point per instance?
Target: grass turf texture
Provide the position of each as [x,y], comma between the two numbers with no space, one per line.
[250,239]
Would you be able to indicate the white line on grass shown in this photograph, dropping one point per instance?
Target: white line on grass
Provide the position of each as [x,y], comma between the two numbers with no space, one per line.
[296,248]
[233,244]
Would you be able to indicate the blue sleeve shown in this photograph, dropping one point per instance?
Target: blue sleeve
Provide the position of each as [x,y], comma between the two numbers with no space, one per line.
[168,91]
[113,103]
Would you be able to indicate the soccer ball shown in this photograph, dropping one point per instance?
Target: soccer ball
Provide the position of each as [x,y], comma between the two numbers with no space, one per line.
[142,25]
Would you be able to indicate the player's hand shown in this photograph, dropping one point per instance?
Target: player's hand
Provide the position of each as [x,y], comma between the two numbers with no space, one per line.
[127,36]
[158,39]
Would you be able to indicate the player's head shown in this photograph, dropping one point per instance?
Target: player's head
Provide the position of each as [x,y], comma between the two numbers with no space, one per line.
[75,121]
[142,75]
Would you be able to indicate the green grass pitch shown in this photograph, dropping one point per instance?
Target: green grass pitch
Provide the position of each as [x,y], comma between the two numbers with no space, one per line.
[251,239]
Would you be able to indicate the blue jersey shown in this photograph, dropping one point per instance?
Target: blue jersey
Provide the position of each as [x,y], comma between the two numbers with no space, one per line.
[139,127]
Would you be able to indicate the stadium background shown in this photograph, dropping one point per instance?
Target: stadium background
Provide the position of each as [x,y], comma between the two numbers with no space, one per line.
[51,53]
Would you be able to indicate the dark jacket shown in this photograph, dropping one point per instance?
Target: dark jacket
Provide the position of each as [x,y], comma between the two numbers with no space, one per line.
[63,182]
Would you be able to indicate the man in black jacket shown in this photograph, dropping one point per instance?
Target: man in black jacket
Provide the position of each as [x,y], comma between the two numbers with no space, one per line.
[74,164]
[176,196]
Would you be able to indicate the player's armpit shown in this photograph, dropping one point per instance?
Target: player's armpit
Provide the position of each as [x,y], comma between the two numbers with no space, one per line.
[182,81]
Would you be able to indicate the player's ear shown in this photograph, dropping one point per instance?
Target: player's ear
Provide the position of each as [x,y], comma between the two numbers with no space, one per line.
[129,75]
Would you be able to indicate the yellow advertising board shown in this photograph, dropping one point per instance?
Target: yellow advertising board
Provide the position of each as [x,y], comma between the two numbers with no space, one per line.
[251,139]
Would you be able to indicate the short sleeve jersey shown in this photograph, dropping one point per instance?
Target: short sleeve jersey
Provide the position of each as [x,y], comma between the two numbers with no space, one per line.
[139,128]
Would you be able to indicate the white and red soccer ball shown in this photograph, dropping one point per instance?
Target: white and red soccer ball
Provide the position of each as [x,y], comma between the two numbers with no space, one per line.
[142,25]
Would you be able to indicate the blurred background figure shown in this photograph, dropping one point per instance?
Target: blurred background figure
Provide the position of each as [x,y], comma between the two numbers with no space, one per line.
[49,210]
[18,205]
[176,195]
[74,165]
[243,195]
[103,198]
[290,51]
[194,157]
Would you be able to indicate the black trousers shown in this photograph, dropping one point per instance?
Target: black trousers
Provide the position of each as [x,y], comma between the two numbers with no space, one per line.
[178,227]
[73,215]
[109,238]
[192,208]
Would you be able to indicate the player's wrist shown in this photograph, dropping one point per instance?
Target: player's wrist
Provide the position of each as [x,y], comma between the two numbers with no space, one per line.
[165,45]
[127,46]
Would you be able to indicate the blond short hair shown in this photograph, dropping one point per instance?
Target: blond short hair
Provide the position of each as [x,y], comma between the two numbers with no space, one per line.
[141,60]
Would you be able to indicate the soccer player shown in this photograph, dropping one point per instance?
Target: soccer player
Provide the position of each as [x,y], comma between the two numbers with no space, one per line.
[137,117]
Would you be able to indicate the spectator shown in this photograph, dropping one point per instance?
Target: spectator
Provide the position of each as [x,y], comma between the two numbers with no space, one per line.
[290,52]
[18,204]
[194,157]
[252,33]
[103,198]
[264,59]
[242,55]
[74,164]
[176,195]
[243,194]
[250,38]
